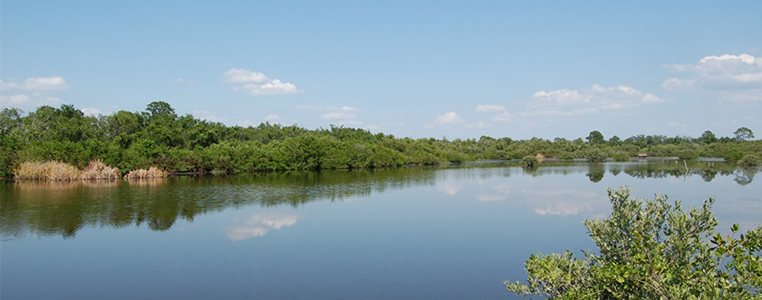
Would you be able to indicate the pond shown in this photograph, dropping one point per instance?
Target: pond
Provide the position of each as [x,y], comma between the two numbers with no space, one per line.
[410,233]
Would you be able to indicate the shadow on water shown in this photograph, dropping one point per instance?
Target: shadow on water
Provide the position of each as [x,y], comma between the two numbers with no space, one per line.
[45,208]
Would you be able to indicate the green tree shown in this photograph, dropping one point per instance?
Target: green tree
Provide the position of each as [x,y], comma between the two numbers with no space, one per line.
[708,137]
[652,250]
[743,134]
[595,137]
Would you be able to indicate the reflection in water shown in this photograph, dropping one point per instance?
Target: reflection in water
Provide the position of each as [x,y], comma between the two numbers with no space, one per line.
[596,172]
[744,176]
[46,208]
[63,208]
[259,224]
[563,202]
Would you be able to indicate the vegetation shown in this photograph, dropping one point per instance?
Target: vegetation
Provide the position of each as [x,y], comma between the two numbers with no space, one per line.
[530,161]
[159,137]
[652,250]
[750,160]
[58,171]
[152,172]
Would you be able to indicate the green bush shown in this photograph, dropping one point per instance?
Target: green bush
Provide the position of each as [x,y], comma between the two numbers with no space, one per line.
[529,161]
[652,250]
[621,156]
[750,160]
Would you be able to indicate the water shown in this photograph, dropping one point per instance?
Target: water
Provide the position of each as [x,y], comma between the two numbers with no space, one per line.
[410,233]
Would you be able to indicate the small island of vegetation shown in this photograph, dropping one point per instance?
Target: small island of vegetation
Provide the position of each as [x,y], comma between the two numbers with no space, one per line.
[158,138]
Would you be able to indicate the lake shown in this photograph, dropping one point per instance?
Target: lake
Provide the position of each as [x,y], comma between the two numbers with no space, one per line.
[410,233]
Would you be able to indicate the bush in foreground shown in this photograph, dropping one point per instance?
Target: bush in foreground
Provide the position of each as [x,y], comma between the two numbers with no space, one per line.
[652,250]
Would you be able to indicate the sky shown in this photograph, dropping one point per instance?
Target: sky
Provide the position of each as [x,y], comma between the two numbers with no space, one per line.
[464,69]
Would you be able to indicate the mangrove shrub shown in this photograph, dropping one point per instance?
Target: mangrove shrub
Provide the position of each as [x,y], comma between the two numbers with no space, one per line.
[652,250]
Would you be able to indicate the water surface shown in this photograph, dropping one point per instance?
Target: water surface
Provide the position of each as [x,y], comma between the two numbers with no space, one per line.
[409,233]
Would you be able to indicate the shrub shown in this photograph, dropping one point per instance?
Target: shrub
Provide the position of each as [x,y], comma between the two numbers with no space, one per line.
[96,169]
[49,170]
[652,250]
[529,161]
[152,172]
[595,155]
[750,160]
[621,156]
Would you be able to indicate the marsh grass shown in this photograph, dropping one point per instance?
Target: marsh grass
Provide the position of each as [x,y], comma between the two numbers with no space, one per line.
[96,169]
[152,172]
[49,171]
[59,171]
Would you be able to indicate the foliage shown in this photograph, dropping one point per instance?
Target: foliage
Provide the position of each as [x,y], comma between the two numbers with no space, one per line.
[595,137]
[159,137]
[621,156]
[652,250]
[530,161]
[744,134]
[151,172]
[750,160]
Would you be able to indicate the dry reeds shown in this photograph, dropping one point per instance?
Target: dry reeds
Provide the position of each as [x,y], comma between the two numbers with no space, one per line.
[49,170]
[152,172]
[59,171]
[96,169]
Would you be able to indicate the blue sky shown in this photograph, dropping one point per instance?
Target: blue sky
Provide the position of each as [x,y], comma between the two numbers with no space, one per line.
[418,69]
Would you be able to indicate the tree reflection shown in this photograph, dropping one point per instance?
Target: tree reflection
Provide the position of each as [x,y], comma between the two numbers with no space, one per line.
[64,208]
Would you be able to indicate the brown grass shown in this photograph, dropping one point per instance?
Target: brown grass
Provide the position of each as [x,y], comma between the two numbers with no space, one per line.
[96,169]
[152,172]
[49,170]
[59,171]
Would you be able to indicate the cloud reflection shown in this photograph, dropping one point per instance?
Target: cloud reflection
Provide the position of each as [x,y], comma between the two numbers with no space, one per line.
[564,202]
[260,224]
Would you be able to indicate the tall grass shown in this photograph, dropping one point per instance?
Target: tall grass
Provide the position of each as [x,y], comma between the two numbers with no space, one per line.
[59,171]
[152,172]
[96,169]
[49,170]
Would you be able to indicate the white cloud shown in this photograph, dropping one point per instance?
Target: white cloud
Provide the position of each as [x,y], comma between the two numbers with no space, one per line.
[337,115]
[353,123]
[373,127]
[245,123]
[448,118]
[260,224]
[207,116]
[349,108]
[588,101]
[35,92]
[275,87]
[13,100]
[479,124]
[489,108]
[733,77]
[344,108]
[91,111]
[272,118]
[502,117]
[244,76]
[183,81]
[25,101]
[36,84]
[257,84]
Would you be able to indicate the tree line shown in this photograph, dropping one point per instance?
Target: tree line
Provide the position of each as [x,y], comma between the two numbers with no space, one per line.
[159,137]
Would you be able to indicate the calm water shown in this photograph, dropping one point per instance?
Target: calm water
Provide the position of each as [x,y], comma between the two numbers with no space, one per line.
[411,233]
